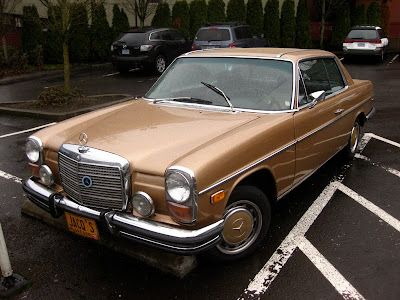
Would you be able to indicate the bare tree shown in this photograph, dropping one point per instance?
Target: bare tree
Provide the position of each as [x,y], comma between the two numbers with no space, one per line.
[142,9]
[327,8]
[7,7]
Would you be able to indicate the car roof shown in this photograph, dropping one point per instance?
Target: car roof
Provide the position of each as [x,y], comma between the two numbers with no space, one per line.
[366,27]
[285,53]
[224,25]
[148,29]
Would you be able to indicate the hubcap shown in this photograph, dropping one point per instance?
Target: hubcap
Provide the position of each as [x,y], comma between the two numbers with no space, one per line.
[355,133]
[243,222]
[160,65]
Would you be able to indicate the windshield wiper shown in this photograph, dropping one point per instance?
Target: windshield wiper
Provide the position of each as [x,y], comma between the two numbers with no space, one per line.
[219,92]
[184,99]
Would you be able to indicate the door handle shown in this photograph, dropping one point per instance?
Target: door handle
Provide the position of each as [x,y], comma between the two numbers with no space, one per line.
[339,111]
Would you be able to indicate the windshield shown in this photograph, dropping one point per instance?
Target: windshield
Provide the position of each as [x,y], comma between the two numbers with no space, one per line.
[248,83]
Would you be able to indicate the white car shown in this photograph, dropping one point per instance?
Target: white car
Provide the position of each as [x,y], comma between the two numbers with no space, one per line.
[366,40]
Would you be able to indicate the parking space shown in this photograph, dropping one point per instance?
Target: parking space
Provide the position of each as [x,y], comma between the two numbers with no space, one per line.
[359,219]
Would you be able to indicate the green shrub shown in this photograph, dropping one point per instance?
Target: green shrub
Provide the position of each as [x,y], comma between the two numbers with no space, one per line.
[55,95]
[255,16]
[125,26]
[100,34]
[162,17]
[216,11]
[31,32]
[236,11]
[272,23]
[359,16]
[374,14]
[341,27]
[198,15]
[181,17]
[79,40]
[288,24]
[303,33]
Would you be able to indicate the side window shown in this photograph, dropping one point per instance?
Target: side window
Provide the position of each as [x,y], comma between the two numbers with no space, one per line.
[335,77]
[166,36]
[155,36]
[321,74]
[247,32]
[176,36]
[314,75]
[239,33]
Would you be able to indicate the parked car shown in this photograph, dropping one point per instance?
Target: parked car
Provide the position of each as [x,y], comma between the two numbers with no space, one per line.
[224,35]
[196,164]
[150,48]
[366,40]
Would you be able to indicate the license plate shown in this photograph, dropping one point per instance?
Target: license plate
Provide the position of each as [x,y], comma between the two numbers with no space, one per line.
[361,44]
[82,226]
[125,51]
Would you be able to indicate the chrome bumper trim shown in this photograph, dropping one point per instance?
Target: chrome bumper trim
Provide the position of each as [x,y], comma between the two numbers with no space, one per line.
[159,235]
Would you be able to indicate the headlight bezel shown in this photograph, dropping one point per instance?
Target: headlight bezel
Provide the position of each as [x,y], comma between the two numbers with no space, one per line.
[190,201]
[38,145]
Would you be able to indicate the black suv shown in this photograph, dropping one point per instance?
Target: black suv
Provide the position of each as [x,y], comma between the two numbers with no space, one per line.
[149,48]
[225,35]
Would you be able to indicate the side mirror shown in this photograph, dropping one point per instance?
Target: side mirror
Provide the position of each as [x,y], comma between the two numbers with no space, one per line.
[316,97]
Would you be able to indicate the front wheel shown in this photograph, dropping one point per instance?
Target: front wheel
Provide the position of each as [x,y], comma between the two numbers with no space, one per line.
[247,219]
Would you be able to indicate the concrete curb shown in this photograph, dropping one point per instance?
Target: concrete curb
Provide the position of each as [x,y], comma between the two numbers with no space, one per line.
[176,265]
[60,116]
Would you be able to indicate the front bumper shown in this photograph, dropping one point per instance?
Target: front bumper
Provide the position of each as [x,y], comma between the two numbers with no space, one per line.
[167,237]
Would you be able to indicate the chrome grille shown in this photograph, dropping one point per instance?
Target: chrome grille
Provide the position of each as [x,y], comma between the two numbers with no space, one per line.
[107,172]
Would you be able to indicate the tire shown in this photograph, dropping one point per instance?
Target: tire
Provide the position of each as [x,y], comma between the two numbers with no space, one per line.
[160,64]
[354,141]
[247,219]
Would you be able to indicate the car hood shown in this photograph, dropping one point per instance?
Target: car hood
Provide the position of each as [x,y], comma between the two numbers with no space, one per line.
[151,137]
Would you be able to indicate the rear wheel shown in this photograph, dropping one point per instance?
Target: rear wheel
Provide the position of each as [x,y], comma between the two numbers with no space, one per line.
[354,140]
[247,219]
[160,64]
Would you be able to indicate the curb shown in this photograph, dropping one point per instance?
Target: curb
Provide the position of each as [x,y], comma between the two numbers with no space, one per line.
[177,265]
[62,115]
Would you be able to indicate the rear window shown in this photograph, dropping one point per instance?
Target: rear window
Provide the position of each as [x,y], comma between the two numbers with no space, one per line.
[213,35]
[362,34]
[132,37]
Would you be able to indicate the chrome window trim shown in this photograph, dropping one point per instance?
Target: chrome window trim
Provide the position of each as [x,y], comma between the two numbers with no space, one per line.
[244,170]
[292,105]
[345,82]
[156,31]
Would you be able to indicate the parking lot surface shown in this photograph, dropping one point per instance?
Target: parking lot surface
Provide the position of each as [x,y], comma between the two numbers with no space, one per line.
[337,236]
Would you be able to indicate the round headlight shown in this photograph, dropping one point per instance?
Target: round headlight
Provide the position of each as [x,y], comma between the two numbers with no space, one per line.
[32,148]
[46,176]
[143,204]
[178,187]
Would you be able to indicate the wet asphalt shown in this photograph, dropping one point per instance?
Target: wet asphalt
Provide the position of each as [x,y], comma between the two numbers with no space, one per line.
[361,244]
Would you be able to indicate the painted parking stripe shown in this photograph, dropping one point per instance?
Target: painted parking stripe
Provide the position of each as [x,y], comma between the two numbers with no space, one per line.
[11,177]
[274,265]
[370,206]
[387,169]
[27,130]
[371,135]
[328,270]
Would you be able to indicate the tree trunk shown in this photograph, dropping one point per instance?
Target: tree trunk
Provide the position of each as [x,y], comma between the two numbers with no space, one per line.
[5,51]
[321,37]
[67,73]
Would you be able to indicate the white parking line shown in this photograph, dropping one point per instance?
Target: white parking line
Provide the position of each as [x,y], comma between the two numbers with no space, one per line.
[329,271]
[387,169]
[9,176]
[296,239]
[27,130]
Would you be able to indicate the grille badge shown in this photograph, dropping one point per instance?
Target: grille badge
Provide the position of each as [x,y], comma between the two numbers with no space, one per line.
[87,181]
